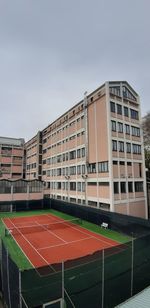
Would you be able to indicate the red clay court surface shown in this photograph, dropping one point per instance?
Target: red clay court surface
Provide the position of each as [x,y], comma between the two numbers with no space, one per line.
[54,245]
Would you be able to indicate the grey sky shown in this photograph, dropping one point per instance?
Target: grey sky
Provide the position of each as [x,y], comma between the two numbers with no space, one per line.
[52,51]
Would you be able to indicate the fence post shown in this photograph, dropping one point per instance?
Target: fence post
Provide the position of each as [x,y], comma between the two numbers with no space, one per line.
[9,298]
[132,264]
[2,263]
[103,276]
[20,297]
[63,285]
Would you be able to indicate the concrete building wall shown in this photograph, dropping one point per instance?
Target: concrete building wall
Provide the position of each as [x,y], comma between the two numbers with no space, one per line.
[93,153]
[11,158]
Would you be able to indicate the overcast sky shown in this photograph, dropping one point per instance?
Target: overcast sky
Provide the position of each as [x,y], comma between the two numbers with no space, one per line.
[52,51]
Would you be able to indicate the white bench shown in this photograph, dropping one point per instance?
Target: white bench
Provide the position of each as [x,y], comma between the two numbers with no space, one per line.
[104,225]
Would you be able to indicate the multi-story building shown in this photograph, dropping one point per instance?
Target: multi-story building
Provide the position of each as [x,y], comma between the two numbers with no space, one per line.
[11,158]
[33,157]
[93,154]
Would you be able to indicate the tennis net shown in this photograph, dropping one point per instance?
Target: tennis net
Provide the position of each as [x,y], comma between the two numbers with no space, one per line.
[37,227]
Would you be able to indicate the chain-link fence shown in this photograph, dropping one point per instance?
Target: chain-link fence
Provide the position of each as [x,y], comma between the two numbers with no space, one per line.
[103,279]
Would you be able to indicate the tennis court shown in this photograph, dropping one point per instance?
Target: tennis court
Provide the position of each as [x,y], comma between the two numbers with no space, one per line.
[47,239]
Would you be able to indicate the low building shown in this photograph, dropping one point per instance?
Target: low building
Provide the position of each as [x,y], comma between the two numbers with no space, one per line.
[11,158]
[33,157]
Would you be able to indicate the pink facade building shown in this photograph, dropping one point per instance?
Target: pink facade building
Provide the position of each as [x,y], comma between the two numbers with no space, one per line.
[93,154]
[11,158]
[33,157]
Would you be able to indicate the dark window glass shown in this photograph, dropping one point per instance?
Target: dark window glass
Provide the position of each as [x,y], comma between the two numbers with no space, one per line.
[134,114]
[130,187]
[138,186]
[114,145]
[123,187]
[119,109]
[116,188]
[112,107]
[126,111]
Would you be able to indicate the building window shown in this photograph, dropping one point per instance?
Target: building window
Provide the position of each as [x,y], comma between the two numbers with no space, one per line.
[126,111]
[58,185]
[113,126]
[83,186]
[127,129]
[72,155]
[83,152]
[73,170]
[79,186]
[121,146]
[59,158]
[122,163]
[115,91]
[130,187]
[66,156]
[92,168]
[136,149]
[134,114]
[115,162]
[135,131]
[78,153]
[128,147]
[73,186]
[103,184]
[114,145]
[92,184]
[123,187]
[129,163]
[127,94]
[116,188]
[59,172]
[83,169]
[48,161]
[79,169]
[63,185]
[120,127]
[119,109]
[112,107]
[138,186]
[103,166]
[63,157]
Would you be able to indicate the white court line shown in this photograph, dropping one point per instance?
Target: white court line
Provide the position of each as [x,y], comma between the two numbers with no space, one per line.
[51,232]
[67,243]
[65,222]
[31,245]
[18,244]
[76,228]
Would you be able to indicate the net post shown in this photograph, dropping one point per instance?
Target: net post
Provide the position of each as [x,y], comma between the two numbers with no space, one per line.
[103,277]
[132,264]
[63,286]
[20,296]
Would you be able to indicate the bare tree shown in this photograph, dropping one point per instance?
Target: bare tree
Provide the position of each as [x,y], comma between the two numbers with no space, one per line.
[146,136]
